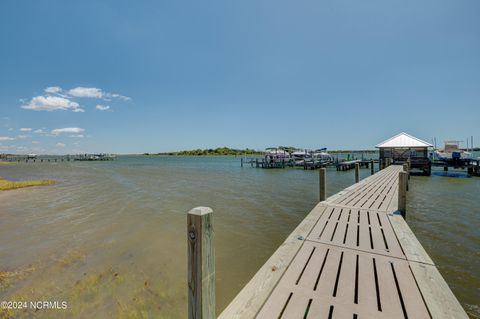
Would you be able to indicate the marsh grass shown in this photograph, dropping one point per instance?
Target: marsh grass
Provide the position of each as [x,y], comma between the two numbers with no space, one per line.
[8,185]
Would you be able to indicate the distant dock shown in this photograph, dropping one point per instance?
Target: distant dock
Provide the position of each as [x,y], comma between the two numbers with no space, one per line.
[471,165]
[307,164]
[55,159]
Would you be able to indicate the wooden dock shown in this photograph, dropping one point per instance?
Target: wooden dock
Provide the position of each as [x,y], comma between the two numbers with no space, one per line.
[353,256]
[472,165]
[306,164]
[347,165]
[57,158]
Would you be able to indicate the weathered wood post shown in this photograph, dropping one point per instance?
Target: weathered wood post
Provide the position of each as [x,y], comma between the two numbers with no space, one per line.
[402,193]
[406,170]
[357,172]
[201,264]
[241,162]
[372,167]
[409,163]
[323,184]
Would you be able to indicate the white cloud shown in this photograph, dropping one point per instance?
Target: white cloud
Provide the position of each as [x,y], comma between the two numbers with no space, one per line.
[60,145]
[35,142]
[81,91]
[86,92]
[39,131]
[25,129]
[53,89]
[117,96]
[78,136]
[10,129]
[51,103]
[56,98]
[6,138]
[23,136]
[67,130]
[102,107]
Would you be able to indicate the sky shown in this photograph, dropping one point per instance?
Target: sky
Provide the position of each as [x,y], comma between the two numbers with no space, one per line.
[151,76]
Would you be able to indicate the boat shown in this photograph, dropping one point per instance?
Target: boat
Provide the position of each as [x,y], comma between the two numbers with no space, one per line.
[32,156]
[95,157]
[302,157]
[452,151]
[302,154]
[322,155]
[275,154]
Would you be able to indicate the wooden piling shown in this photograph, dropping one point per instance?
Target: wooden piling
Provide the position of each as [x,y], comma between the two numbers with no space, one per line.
[241,162]
[409,163]
[323,184]
[406,170]
[201,264]
[402,193]
[372,167]
[357,172]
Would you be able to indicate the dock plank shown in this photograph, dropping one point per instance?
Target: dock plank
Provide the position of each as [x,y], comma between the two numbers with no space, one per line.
[441,301]
[411,247]
[337,286]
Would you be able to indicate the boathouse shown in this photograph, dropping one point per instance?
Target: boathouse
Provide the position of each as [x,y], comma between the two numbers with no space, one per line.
[403,147]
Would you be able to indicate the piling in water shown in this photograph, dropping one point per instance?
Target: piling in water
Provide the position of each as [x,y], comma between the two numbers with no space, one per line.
[201,264]
[323,184]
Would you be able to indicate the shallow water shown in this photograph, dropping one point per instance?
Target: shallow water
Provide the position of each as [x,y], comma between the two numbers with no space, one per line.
[109,238]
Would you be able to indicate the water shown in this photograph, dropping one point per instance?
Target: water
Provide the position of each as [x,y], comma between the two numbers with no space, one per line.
[109,238]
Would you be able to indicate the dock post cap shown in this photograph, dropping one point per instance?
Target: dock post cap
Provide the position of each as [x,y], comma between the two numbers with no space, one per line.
[201,210]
